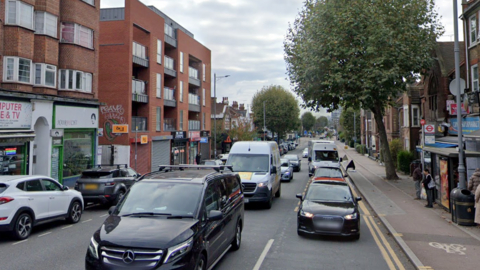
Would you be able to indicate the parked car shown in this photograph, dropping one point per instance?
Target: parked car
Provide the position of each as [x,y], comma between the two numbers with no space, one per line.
[295,161]
[29,200]
[292,145]
[305,153]
[213,162]
[328,208]
[329,173]
[180,219]
[106,183]
[287,170]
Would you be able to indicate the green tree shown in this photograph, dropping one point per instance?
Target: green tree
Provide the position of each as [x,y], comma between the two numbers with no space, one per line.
[282,112]
[321,123]
[242,131]
[308,120]
[346,121]
[360,53]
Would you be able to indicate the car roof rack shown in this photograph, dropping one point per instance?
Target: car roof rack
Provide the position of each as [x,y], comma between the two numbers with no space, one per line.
[182,167]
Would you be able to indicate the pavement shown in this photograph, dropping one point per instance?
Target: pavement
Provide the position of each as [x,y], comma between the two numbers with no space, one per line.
[428,236]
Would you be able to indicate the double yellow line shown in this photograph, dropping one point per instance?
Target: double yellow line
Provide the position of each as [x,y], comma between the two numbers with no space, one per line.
[388,254]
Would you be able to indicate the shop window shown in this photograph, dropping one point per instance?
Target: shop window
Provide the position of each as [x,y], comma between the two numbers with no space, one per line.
[77,152]
[12,160]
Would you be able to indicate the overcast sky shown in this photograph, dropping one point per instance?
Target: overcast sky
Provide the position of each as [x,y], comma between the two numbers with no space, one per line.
[246,38]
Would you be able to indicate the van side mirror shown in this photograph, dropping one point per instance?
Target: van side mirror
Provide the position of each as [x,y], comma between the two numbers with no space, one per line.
[273,170]
[309,159]
[358,199]
[65,188]
[215,215]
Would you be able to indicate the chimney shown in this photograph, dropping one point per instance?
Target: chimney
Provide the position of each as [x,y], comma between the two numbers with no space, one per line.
[235,105]
[242,107]
[225,100]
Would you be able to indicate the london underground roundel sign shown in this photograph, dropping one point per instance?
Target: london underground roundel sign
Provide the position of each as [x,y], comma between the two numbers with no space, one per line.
[429,129]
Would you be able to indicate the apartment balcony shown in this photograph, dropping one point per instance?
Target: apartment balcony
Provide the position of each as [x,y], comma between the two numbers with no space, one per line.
[193,103]
[169,65]
[193,125]
[140,122]
[139,55]
[170,37]
[169,124]
[138,91]
[193,76]
[169,97]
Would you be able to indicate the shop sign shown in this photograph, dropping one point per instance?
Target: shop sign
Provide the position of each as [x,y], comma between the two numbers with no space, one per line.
[429,139]
[15,114]
[204,140]
[56,133]
[57,141]
[120,128]
[452,107]
[76,117]
[194,136]
[204,133]
[179,135]
[144,139]
[469,125]
[100,132]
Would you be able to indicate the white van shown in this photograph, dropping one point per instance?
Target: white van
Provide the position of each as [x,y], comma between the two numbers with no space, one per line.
[323,155]
[312,142]
[258,164]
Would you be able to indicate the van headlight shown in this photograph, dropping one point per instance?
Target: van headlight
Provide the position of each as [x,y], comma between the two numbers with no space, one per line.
[351,216]
[263,184]
[179,250]
[93,248]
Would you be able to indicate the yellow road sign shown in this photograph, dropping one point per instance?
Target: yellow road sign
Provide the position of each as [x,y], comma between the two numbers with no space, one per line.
[144,139]
[120,128]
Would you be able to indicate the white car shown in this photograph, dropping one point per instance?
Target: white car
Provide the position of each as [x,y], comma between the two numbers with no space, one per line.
[28,200]
[305,153]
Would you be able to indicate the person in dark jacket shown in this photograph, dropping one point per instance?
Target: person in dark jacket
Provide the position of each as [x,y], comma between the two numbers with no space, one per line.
[429,191]
[417,178]
[197,158]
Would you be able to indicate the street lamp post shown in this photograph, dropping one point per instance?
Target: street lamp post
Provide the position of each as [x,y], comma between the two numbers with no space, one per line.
[215,111]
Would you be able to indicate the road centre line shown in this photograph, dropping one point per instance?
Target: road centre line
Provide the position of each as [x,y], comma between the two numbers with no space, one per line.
[263,255]
[87,220]
[47,233]
[19,242]
[66,227]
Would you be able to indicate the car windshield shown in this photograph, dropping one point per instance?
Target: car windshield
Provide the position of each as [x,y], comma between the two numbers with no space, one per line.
[284,162]
[291,157]
[170,199]
[328,172]
[326,156]
[322,192]
[248,162]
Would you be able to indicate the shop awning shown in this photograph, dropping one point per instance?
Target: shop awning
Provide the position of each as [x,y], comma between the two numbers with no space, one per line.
[16,136]
[441,145]
[450,152]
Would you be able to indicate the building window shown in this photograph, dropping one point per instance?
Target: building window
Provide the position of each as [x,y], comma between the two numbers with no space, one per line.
[203,121]
[75,80]
[139,50]
[415,116]
[17,69]
[45,24]
[19,13]
[159,51]
[91,2]
[169,31]
[473,30]
[159,85]
[76,34]
[181,91]
[45,75]
[203,97]
[203,73]
[159,119]
[432,104]
[181,120]
[407,145]
[405,116]
[475,78]
[181,62]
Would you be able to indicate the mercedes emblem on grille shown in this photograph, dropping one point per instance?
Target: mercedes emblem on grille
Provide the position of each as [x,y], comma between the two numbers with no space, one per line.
[128,257]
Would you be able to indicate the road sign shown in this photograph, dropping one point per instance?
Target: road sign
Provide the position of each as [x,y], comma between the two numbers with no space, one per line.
[120,128]
[144,139]
[429,129]
[422,122]
[453,87]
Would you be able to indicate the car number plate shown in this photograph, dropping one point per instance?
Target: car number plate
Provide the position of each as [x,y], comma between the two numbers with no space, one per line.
[245,200]
[329,225]
[91,186]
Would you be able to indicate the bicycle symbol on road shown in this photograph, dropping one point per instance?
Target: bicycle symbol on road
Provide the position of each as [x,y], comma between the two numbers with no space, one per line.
[449,248]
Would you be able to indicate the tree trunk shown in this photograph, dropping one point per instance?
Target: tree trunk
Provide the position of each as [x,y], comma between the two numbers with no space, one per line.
[387,156]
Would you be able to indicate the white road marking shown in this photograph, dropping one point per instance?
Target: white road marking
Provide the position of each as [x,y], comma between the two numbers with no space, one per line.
[449,248]
[263,255]
[66,227]
[16,243]
[87,220]
[104,215]
[44,234]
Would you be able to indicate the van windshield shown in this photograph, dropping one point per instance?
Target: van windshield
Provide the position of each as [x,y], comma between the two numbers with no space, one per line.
[326,156]
[248,162]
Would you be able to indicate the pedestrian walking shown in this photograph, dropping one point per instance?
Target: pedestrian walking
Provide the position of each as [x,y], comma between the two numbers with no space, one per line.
[477,206]
[197,158]
[428,188]
[417,178]
[474,181]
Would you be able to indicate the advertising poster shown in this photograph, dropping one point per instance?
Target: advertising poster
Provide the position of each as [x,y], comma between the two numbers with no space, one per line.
[445,194]
[15,114]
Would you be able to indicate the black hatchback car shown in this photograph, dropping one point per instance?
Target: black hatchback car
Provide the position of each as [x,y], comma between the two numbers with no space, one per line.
[180,219]
[329,208]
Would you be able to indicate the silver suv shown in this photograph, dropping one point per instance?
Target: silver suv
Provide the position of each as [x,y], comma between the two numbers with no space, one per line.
[106,184]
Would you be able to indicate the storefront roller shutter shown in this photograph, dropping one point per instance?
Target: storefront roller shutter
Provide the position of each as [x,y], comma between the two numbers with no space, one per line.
[204,149]
[160,154]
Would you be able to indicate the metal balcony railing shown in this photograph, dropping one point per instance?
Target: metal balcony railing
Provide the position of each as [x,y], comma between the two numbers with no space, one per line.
[193,125]
[168,93]
[169,124]
[193,99]
[140,122]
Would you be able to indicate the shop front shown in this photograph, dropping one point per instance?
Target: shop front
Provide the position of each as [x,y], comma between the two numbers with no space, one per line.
[204,145]
[194,138]
[15,136]
[74,146]
[160,151]
[179,148]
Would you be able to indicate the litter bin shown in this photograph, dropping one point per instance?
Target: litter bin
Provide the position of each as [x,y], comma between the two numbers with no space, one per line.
[453,198]
[464,208]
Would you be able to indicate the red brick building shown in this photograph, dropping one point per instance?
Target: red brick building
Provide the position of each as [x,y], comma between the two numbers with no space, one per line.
[49,68]
[154,76]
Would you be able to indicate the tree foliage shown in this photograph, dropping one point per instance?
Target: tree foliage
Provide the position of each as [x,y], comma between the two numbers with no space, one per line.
[242,131]
[321,123]
[347,122]
[282,112]
[308,120]
[360,53]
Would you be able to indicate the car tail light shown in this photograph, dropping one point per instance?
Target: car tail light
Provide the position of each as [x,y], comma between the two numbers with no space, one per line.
[4,200]
[3,218]
[109,184]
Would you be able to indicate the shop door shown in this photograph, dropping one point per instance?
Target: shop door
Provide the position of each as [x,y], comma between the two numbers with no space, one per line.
[160,154]
[56,168]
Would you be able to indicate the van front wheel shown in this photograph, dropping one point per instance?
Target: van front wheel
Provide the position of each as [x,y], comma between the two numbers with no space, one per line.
[269,203]
[279,191]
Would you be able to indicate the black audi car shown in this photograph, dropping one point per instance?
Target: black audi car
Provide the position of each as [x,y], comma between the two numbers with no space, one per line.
[183,220]
[329,208]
